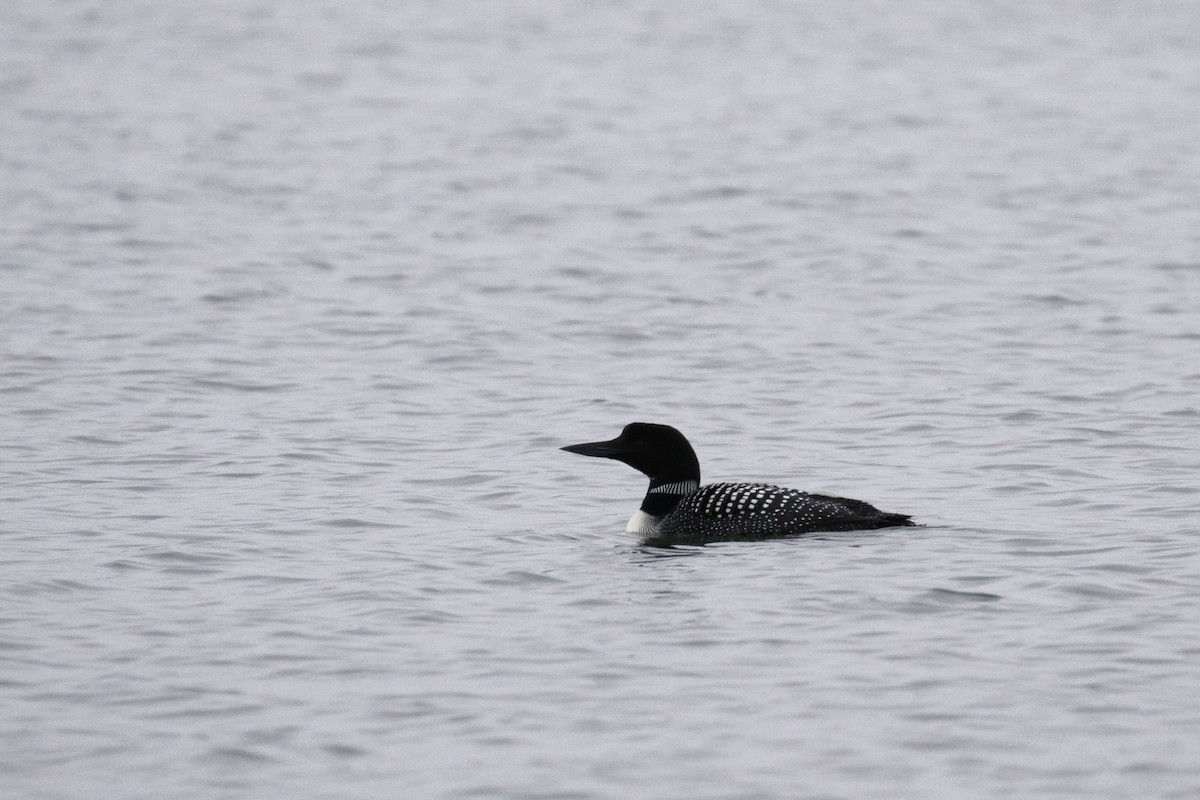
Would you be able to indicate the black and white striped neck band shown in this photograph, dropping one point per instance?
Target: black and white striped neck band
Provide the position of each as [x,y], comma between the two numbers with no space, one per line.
[678,487]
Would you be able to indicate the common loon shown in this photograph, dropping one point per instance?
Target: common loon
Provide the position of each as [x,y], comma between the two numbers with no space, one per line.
[678,509]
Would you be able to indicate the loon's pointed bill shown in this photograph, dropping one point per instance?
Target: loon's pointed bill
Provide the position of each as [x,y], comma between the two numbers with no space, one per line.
[677,509]
[607,449]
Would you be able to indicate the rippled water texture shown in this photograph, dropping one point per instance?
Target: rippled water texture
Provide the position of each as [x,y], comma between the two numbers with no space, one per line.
[298,300]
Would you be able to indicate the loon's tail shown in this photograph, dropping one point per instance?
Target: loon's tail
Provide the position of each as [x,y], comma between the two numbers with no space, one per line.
[866,516]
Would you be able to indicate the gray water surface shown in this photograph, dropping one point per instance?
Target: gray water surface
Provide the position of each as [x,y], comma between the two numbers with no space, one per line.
[298,301]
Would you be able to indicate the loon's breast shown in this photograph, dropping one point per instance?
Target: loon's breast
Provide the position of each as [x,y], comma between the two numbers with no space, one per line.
[761,511]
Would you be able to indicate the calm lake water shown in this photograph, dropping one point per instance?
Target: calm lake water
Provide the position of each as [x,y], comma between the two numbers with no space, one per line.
[300,299]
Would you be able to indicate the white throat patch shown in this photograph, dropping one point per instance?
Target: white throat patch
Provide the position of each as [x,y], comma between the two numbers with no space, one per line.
[642,523]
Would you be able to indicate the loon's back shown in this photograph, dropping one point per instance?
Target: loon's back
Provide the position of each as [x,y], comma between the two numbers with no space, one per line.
[762,511]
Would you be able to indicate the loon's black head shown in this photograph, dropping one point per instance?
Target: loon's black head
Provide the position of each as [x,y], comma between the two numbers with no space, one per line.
[659,451]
